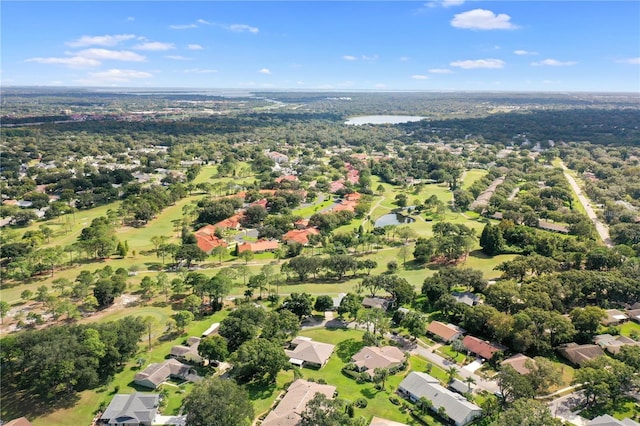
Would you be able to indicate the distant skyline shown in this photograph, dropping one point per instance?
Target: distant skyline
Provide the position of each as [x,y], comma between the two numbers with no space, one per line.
[330,45]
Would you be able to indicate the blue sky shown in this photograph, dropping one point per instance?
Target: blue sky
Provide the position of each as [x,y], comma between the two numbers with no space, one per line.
[333,45]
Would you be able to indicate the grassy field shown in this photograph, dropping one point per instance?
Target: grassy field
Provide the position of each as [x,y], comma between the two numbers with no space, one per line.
[471,176]
[141,259]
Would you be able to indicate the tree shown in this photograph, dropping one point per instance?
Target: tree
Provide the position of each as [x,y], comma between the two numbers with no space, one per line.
[192,303]
[26,295]
[586,321]
[514,385]
[452,372]
[189,253]
[183,318]
[527,412]
[280,325]
[323,303]
[218,402]
[339,264]
[350,304]
[380,375]
[543,374]
[4,310]
[491,240]
[321,410]
[415,323]
[219,252]
[213,348]
[298,303]
[259,359]
[247,256]
[149,322]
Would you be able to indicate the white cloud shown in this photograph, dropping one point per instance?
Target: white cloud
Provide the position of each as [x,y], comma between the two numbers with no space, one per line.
[155,45]
[73,61]
[265,71]
[117,76]
[178,58]
[183,27]
[104,40]
[482,19]
[349,58]
[553,63]
[522,52]
[194,47]
[445,3]
[632,61]
[242,28]
[130,18]
[404,58]
[202,21]
[369,58]
[419,77]
[300,83]
[116,55]
[440,71]
[200,71]
[478,63]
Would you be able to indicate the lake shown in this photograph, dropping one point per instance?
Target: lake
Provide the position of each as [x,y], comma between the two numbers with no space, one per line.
[392,219]
[382,119]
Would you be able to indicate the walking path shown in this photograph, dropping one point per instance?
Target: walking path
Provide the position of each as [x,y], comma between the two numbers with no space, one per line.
[603,229]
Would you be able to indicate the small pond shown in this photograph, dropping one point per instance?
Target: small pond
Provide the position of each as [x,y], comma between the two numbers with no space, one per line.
[382,119]
[393,219]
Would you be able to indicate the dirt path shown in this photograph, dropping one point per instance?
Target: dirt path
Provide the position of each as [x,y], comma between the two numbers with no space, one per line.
[602,228]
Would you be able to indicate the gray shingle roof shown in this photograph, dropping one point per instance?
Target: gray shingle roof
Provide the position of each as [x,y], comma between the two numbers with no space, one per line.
[132,409]
[456,406]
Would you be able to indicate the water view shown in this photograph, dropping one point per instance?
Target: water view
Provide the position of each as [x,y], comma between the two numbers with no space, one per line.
[382,119]
[393,219]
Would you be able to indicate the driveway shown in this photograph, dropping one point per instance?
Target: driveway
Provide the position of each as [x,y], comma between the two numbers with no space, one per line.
[565,408]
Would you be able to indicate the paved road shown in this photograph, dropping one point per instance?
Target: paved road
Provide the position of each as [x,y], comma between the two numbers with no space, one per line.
[603,229]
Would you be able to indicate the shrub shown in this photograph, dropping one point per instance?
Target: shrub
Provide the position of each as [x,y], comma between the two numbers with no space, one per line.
[361,403]
[394,400]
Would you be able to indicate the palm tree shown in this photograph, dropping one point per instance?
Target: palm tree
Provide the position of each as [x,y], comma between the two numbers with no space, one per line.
[469,381]
[425,405]
[452,372]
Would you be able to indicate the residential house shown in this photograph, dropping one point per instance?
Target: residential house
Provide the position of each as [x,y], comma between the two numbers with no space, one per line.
[553,227]
[607,420]
[461,387]
[294,402]
[378,421]
[376,302]
[278,157]
[305,352]
[481,347]
[466,297]
[22,421]
[156,373]
[455,406]
[634,315]
[207,240]
[301,223]
[519,363]
[445,332]
[212,329]
[612,344]
[134,409]
[288,178]
[579,354]
[187,353]
[232,223]
[336,186]
[614,317]
[337,300]
[371,357]
[300,235]
[259,246]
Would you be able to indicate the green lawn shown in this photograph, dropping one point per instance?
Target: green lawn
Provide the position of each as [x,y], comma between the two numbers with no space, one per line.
[471,176]
[82,411]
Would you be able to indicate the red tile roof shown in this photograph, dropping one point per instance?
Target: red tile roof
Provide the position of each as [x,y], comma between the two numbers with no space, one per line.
[290,178]
[258,246]
[232,222]
[300,235]
[480,347]
[206,239]
[336,186]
